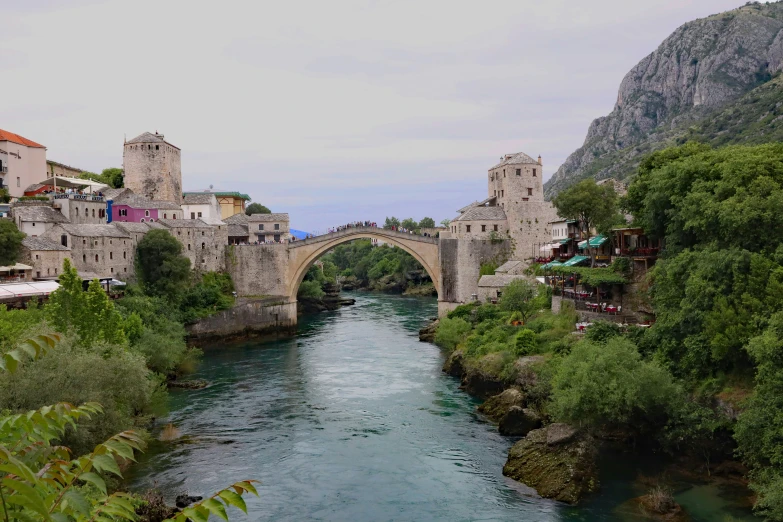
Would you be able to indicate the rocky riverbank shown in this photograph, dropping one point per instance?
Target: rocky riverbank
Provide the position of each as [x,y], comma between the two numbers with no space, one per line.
[331,300]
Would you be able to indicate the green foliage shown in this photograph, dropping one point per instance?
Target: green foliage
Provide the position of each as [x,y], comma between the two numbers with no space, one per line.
[112,177]
[90,315]
[759,428]
[427,222]
[212,294]
[451,332]
[391,222]
[525,342]
[590,204]
[256,208]
[620,265]
[487,269]
[445,223]
[601,331]
[592,276]
[523,297]
[5,196]
[15,324]
[310,289]
[10,242]
[160,265]
[693,195]
[370,264]
[610,384]
[409,223]
[463,311]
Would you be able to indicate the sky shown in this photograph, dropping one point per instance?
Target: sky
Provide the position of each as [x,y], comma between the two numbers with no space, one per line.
[332,111]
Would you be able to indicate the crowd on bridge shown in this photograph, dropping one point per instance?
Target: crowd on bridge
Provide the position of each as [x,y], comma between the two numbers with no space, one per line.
[355,224]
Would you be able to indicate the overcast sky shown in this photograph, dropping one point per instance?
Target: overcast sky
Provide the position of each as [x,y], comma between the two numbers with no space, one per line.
[332,110]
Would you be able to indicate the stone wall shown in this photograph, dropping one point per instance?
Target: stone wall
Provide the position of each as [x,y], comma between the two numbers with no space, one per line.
[45,263]
[247,318]
[153,170]
[100,255]
[460,263]
[258,270]
[81,210]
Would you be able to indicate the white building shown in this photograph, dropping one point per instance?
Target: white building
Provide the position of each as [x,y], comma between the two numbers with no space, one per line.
[22,163]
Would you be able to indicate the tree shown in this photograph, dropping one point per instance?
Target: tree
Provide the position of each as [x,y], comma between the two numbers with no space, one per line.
[589,204]
[427,222]
[113,177]
[5,197]
[10,242]
[445,223]
[410,224]
[521,296]
[161,267]
[90,315]
[256,208]
[391,222]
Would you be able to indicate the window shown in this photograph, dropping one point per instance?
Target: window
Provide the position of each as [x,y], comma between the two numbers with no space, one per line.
[123,255]
[111,255]
[188,246]
[18,181]
[202,232]
[529,191]
[157,147]
[260,227]
[165,216]
[496,193]
[125,269]
[192,215]
[36,257]
[277,237]
[467,228]
[502,193]
[93,212]
[146,213]
[84,241]
[84,258]
[519,172]
[96,242]
[534,173]
[77,211]
[203,246]
[199,214]
[277,226]
[38,274]
[174,216]
[483,228]
[524,199]
[47,271]
[142,220]
[112,270]
[96,258]
[496,228]
[261,238]
[33,223]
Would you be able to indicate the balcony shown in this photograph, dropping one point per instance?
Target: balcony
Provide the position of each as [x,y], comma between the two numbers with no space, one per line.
[638,252]
[80,197]
[3,170]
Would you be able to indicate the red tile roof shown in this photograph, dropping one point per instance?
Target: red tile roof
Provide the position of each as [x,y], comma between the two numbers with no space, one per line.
[15,138]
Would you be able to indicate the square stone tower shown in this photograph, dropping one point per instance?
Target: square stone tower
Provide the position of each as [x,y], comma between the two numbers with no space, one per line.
[153,168]
[517,184]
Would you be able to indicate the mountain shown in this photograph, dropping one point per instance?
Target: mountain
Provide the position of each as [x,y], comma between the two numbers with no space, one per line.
[716,79]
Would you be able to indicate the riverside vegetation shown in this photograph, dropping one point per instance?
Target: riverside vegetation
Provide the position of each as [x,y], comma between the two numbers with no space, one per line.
[113,358]
[704,383]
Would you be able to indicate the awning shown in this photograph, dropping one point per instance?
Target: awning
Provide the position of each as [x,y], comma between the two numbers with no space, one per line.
[595,242]
[14,290]
[17,266]
[575,260]
[551,264]
[550,246]
[564,241]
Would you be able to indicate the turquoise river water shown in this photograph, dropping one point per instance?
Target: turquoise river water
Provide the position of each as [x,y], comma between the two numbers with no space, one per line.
[353,420]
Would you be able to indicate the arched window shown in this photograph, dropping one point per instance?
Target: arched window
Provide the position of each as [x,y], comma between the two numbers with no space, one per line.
[188,246]
[123,255]
[146,213]
[165,216]
[142,220]
[84,258]
[77,211]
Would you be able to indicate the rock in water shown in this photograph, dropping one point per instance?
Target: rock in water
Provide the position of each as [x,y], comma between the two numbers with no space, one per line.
[454,364]
[497,406]
[558,461]
[184,500]
[427,334]
[519,421]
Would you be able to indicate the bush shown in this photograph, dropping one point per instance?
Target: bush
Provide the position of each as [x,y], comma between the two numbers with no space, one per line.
[451,332]
[487,312]
[600,384]
[464,311]
[602,331]
[310,289]
[162,351]
[524,342]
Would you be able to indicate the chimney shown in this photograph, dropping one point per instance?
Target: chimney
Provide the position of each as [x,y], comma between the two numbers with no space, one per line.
[539,160]
[158,135]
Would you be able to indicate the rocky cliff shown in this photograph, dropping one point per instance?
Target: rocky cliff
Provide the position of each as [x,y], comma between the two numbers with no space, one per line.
[703,67]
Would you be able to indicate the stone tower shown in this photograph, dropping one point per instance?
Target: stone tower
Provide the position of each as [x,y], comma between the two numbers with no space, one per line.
[518,186]
[153,168]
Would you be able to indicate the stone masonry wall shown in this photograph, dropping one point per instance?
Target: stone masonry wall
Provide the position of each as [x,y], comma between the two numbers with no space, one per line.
[258,270]
[246,318]
[45,263]
[153,172]
[460,263]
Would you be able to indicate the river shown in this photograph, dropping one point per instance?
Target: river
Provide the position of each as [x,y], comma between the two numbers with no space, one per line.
[353,420]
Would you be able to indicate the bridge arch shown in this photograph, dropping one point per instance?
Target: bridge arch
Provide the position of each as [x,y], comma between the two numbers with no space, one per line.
[302,254]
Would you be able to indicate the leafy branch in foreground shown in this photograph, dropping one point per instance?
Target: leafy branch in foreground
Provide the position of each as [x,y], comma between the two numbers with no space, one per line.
[33,348]
[217,503]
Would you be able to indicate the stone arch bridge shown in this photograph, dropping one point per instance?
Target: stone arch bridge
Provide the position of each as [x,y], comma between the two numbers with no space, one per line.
[275,271]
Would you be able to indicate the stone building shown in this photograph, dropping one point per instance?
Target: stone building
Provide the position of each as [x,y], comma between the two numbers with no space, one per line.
[58,169]
[103,250]
[81,208]
[34,218]
[137,231]
[237,229]
[153,168]
[515,206]
[46,256]
[204,244]
[273,228]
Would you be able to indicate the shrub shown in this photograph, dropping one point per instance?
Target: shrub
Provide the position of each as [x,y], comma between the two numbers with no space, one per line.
[487,312]
[524,342]
[451,332]
[602,331]
[599,384]
[311,289]
[464,311]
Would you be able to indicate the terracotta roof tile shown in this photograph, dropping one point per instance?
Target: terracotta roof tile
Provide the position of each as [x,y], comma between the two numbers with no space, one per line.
[15,138]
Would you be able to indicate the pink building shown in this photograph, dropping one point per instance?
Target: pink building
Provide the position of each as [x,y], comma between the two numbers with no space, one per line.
[133,208]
